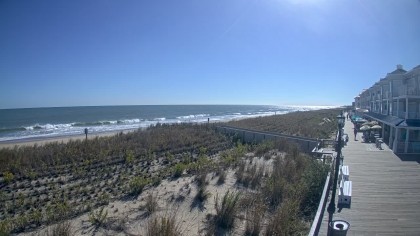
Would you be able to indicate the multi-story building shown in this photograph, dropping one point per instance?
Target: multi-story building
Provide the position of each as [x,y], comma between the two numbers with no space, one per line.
[394,101]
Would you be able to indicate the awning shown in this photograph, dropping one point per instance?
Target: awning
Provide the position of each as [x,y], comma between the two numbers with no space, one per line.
[390,120]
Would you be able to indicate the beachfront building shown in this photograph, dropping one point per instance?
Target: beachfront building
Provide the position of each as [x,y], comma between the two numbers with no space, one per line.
[394,101]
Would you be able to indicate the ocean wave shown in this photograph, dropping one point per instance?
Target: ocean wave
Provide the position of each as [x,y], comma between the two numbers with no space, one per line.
[189,117]
[4,130]
[115,124]
[128,121]
[47,126]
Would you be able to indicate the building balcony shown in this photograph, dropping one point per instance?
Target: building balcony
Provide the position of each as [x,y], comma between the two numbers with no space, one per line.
[413,115]
[413,92]
[400,147]
[406,92]
[413,147]
[400,114]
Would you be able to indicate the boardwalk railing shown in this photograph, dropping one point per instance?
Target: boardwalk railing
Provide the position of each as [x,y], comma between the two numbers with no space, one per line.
[306,144]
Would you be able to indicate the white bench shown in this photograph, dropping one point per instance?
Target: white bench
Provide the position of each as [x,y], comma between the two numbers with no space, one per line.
[344,196]
[344,173]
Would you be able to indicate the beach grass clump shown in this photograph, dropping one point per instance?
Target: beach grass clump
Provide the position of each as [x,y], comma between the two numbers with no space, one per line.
[249,175]
[178,170]
[202,194]
[163,226]
[286,220]
[61,229]
[98,218]
[221,173]
[254,218]
[201,179]
[5,227]
[226,209]
[151,204]
[137,184]
[8,177]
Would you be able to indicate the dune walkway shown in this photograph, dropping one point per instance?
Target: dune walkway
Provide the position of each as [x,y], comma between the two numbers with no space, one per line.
[385,190]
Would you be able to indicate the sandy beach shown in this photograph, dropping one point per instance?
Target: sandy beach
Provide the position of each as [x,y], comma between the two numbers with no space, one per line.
[64,139]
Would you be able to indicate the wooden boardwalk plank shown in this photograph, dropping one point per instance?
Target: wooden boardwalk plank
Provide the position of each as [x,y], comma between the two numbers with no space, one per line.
[386,191]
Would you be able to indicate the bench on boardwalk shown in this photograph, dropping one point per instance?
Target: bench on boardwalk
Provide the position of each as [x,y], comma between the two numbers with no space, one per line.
[344,197]
[344,173]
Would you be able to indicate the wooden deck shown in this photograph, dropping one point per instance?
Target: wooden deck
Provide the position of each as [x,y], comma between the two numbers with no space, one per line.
[386,191]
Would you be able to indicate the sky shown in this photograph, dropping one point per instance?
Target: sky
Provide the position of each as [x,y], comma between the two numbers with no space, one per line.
[266,52]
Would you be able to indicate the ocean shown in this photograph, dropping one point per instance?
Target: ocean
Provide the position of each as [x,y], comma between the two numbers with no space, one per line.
[40,123]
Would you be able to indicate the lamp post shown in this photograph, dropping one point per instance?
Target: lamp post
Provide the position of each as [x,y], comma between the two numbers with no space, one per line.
[331,206]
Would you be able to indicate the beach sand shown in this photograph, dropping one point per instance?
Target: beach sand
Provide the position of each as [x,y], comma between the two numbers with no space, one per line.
[64,139]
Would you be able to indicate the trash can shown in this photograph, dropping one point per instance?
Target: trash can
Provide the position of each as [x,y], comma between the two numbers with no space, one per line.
[338,228]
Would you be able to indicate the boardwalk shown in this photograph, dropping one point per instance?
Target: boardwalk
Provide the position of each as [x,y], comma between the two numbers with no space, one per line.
[386,191]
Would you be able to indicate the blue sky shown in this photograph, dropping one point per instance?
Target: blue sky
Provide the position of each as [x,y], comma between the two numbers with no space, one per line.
[274,52]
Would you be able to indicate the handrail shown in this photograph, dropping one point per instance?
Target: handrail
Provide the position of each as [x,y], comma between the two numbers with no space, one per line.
[316,224]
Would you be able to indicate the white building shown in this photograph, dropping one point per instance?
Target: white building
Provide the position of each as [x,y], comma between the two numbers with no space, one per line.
[394,101]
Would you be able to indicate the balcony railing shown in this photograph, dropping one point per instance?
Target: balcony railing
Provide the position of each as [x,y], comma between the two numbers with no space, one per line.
[401,114]
[413,147]
[413,115]
[406,91]
[400,147]
[413,91]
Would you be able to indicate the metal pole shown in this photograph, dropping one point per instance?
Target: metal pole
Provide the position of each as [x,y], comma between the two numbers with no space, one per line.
[331,206]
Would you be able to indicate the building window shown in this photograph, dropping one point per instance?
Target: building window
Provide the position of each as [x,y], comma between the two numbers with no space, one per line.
[414,135]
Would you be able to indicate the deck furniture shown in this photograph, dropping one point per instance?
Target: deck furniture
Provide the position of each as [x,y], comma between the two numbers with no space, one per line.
[344,197]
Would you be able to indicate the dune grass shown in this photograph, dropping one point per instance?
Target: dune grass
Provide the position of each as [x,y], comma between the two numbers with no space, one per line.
[57,181]
[311,124]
